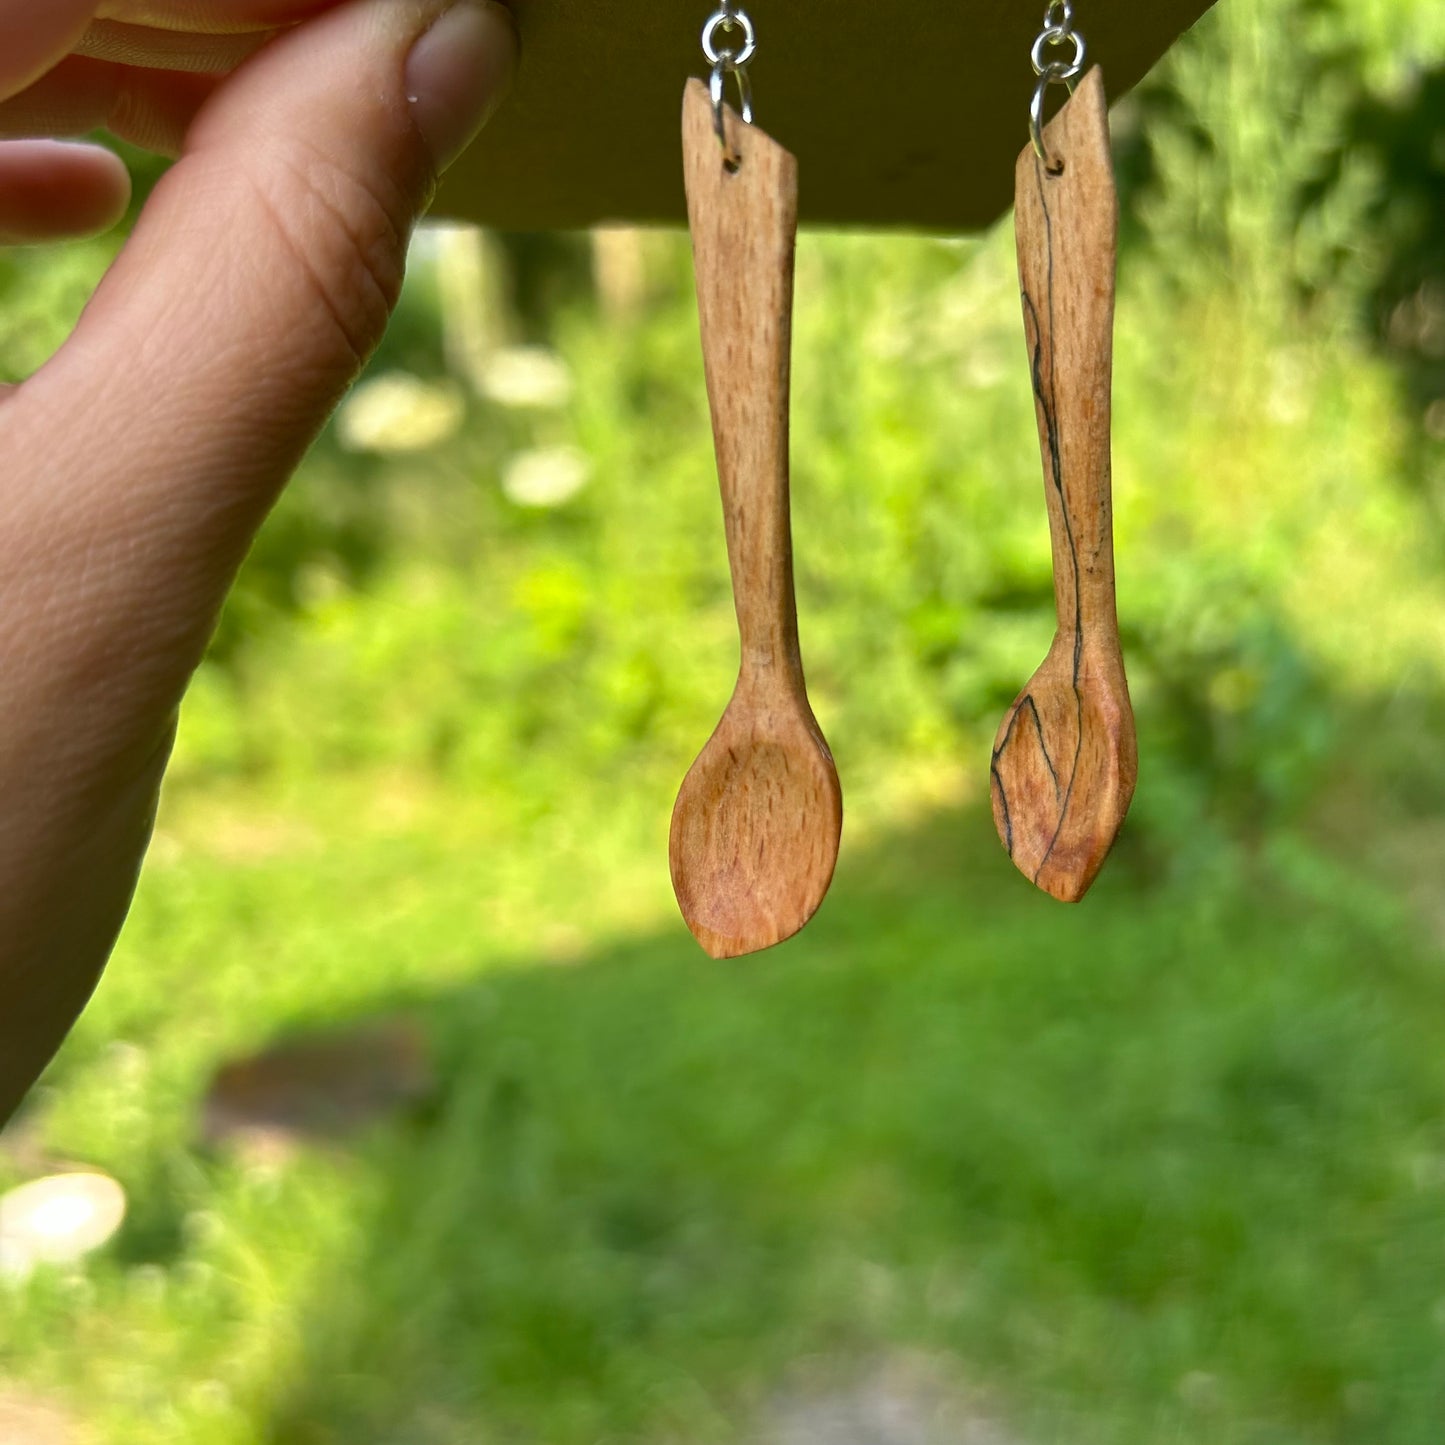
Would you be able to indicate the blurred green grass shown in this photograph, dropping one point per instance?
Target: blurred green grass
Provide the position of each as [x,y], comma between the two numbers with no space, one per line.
[1170,1166]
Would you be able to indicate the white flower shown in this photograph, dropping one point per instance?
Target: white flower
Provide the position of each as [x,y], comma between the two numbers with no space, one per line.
[526,376]
[399,412]
[57,1220]
[548,477]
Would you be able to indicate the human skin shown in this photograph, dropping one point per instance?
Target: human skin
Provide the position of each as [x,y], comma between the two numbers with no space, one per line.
[137,465]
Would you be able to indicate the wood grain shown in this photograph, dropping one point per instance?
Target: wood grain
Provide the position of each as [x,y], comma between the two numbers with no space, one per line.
[1066,757]
[757,825]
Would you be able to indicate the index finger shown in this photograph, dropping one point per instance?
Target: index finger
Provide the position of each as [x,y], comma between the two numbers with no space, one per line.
[33,38]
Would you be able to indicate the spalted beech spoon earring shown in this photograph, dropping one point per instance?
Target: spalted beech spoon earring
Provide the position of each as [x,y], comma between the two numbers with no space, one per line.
[757,825]
[1066,758]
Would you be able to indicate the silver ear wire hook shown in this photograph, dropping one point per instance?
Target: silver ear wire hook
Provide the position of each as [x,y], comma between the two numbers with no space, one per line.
[1058,34]
[729,59]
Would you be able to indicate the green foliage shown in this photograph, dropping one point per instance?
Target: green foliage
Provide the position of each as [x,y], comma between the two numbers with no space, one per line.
[42,293]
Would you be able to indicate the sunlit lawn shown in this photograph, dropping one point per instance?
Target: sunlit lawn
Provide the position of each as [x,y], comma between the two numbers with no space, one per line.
[1168,1166]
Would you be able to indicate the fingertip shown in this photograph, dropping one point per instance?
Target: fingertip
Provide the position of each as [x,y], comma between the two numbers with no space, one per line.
[59,191]
[458,73]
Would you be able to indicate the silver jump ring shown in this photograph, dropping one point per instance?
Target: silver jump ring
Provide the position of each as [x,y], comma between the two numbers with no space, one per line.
[1053,74]
[1057,37]
[729,19]
[1059,15]
[718,87]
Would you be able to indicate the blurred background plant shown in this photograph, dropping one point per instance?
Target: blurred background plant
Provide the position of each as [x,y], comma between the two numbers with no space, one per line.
[957,1162]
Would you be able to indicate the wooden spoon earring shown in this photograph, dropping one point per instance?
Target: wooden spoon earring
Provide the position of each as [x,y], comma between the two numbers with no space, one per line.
[1066,757]
[757,825]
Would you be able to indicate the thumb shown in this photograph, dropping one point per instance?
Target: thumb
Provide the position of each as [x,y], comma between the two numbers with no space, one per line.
[265,267]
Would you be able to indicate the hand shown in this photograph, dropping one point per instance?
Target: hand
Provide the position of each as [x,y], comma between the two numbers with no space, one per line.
[137,465]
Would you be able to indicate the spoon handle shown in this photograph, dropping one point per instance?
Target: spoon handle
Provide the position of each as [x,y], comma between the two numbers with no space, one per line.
[1068,228]
[744,222]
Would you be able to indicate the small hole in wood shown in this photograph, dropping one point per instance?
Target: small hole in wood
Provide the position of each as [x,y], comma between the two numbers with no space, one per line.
[1054,169]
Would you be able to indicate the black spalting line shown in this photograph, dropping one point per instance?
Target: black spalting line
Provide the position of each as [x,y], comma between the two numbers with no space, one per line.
[1048,405]
[1026,701]
[1008,822]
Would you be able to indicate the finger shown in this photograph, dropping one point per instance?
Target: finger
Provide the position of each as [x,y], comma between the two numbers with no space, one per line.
[36,35]
[152,47]
[259,278]
[55,191]
[152,109]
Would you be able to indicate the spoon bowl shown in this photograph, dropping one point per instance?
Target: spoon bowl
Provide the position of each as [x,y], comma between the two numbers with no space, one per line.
[1064,767]
[756,829]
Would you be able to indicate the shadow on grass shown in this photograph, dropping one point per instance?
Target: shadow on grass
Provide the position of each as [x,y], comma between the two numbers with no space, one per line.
[1167,1165]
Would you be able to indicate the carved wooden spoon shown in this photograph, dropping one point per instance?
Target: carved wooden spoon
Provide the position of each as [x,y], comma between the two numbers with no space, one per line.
[1066,758]
[756,829]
